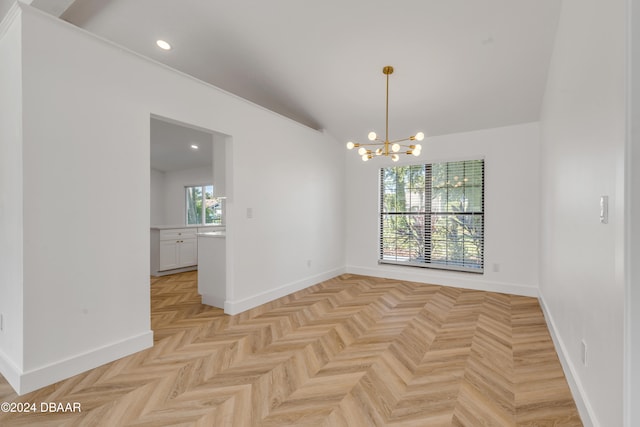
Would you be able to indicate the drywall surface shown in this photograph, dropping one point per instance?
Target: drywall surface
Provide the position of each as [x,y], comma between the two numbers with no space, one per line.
[511,216]
[632,308]
[157,213]
[582,158]
[86,139]
[11,197]
[175,198]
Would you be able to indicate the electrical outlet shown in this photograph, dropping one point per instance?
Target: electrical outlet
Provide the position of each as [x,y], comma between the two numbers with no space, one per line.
[583,352]
[308,263]
[1,322]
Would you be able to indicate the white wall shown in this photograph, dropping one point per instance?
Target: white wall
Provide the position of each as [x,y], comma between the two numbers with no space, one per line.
[86,139]
[157,198]
[175,181]
[5,6]
[11,260]
[168,196]
[582,260]
[632,307]
[86,233]
[511,216]
[296,231]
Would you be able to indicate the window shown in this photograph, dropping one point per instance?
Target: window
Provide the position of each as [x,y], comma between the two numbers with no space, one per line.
[432,215]
[202,207]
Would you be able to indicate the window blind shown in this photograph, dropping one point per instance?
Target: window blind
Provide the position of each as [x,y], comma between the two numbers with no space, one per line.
[432,215]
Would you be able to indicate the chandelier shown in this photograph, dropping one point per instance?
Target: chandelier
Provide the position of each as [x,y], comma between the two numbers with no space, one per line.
[380,147]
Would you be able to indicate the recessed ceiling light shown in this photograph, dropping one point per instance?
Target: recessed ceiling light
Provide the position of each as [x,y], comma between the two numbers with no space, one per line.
[163,45]
[194,147]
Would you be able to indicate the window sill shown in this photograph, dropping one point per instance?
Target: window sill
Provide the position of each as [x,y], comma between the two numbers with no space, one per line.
[442,267]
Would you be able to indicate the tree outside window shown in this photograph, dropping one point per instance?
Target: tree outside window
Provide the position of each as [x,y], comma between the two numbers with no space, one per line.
[202,207]
[432,215]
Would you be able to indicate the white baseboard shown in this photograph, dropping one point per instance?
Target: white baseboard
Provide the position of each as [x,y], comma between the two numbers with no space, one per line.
[238,306]
[174,271]
[213,300]
[9,371]
[582,402]
[25,382]
[577,390]
[453,279]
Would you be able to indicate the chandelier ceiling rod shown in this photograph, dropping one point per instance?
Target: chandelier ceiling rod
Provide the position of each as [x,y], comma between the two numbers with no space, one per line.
[386,147]
[387,70]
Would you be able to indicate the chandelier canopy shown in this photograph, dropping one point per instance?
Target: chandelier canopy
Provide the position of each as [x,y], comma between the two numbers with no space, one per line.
[380,147]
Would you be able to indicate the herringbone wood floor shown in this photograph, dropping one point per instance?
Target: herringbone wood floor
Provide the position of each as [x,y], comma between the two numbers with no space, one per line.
[351,351]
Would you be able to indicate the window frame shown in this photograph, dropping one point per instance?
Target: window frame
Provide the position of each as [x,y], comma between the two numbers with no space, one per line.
[202,222]
[428,214]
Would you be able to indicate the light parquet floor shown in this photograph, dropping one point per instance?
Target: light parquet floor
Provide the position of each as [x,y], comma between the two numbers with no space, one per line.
[351,351]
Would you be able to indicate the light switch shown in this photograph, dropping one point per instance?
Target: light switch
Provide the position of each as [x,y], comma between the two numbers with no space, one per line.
[249,212]
[604,209]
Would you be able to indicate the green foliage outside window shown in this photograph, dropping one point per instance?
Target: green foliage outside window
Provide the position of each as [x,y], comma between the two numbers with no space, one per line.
[199,197]
[432,214]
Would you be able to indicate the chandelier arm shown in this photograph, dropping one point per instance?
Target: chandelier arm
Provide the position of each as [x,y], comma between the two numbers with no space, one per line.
[399,140]
[386,147]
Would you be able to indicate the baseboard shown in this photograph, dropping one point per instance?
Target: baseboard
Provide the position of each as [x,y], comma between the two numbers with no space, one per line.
[212,300]
[582,402]
[174,271]
[453,279]
[10,371]
[50,374]
[577,390]
[238,306]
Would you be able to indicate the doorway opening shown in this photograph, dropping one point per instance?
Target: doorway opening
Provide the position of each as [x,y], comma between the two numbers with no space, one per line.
[188,203]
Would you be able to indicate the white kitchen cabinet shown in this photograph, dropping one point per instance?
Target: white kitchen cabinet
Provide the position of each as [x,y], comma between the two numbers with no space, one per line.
[212,268]
[178,253]
[178,248]
[173,250]
[188,252]
[168,255]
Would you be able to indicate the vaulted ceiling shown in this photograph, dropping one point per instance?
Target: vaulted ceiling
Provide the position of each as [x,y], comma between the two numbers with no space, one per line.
[460,65]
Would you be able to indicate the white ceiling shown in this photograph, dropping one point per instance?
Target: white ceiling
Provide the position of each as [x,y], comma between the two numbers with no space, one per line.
[171,147]
[460,65]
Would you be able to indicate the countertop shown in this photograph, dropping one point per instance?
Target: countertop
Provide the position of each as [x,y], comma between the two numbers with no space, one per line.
[218,234]
[168,227]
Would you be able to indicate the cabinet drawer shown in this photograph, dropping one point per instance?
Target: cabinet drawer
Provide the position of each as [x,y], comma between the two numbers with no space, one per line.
[178,233]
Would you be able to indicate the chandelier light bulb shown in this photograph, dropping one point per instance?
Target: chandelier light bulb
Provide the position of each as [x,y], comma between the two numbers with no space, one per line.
[385,147]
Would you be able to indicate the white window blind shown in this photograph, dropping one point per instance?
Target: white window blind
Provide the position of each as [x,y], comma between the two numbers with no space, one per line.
[432,215]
